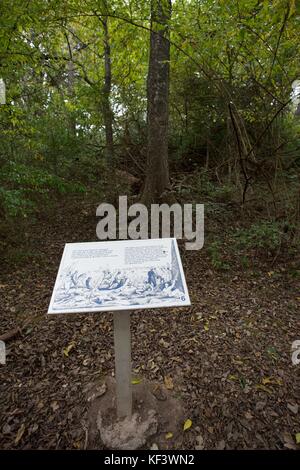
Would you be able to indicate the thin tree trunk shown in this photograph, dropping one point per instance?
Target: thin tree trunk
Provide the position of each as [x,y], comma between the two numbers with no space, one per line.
[70,88]
[207,154]
[157,183]
[70,85]
[107,111]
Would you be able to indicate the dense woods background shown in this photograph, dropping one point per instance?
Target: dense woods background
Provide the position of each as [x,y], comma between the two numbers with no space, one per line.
[192,101]
[75,119]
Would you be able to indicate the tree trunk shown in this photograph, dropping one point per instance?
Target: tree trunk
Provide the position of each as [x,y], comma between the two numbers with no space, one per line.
[157,183]
[107,111]
[70,88]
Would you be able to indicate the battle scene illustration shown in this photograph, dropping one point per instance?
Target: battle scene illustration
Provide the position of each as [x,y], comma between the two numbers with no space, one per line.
[119,287]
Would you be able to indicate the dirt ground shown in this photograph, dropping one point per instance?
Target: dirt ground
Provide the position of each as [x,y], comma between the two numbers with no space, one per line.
[227,357]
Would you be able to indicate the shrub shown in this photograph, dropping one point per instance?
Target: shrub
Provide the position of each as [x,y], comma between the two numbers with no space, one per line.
[266,235]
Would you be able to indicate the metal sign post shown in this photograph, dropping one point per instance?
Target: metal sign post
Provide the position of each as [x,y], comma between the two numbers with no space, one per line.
[123,363]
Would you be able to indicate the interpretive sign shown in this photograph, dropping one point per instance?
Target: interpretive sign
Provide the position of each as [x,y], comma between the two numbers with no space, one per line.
[119,275]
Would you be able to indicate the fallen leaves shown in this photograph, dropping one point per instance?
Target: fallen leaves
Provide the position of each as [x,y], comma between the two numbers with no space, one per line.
[260,405]
[20,433]
[293,408]
[200,443]
[6,429]
[136,381]
[168,382]
[169,435]
[164,343]
[159,392]
[268,381]
[69,348]
[54,406]
[271,380]
[221,445]
[187,424]
[154,446]
[77,445]
[273,353]
[98,392]
[205,373]
[289,442]
[232,377]
[263,388]
[248,415]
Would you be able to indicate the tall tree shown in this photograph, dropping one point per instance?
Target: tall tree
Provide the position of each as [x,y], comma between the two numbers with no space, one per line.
[157,180]
[107,111]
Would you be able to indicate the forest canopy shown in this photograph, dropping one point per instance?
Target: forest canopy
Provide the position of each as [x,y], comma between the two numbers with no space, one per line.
[76,77]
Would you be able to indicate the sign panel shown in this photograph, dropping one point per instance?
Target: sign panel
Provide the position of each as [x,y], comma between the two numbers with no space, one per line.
[119,275]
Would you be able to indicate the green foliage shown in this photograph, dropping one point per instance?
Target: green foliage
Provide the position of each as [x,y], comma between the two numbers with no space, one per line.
[23,188]
[215,191]
[14,203]
[294,273]
[264,235]
[217,259]
[244,261]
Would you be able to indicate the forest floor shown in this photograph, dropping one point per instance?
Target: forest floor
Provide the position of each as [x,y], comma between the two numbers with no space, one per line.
[228,355]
